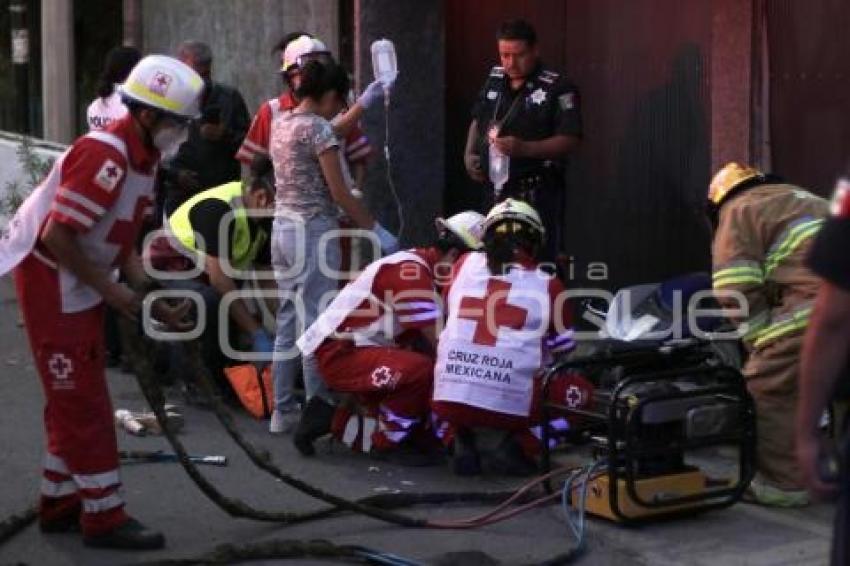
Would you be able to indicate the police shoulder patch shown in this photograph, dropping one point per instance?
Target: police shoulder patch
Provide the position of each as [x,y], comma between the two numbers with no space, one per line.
[548,76]
[567,101]
[497,72]
[108,176]
[841,199]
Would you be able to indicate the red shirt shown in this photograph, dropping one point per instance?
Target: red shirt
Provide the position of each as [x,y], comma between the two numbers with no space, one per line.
[256,141]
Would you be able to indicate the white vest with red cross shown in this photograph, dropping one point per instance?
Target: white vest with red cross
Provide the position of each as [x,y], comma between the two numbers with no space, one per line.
[492,345]
[385,326]
[105,244]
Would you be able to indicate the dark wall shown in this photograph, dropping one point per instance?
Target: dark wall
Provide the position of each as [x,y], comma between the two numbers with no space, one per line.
[416,113]
[637,185]
[809,90]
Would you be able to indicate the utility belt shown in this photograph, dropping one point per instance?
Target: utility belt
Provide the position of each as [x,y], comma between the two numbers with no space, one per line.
[528,186]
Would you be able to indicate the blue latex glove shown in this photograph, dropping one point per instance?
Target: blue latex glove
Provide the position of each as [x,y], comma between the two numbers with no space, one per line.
[373,93]
[389,243]
[261,342]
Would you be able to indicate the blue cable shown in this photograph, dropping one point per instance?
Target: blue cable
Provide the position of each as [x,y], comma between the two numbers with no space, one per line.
[576,519]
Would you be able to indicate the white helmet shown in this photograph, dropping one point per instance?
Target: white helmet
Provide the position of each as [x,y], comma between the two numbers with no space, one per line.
[465,225]
[164,83]
[300,48]
[517,210]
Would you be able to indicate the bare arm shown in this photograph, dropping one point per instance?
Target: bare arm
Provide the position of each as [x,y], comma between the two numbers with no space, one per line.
[826,351]
[471,159]
[343,124]
[824,357]
[358,172]
[329,161]
[223,285]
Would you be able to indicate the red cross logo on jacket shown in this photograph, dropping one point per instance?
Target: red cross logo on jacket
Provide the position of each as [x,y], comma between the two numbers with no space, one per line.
[492,312]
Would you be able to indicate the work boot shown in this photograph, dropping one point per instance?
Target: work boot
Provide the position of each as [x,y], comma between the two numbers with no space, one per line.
[316,419]
[466,461]
[130,535]
[509,459]
[65,521]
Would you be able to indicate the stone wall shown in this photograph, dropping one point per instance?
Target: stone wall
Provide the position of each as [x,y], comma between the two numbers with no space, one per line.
[241,35]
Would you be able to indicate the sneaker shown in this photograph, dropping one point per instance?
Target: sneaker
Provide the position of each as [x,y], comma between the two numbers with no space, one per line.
[315,422]
[284,422]
[130,535]
[762,493]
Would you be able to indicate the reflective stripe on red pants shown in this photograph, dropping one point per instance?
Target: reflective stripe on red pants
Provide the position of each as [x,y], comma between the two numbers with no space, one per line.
[397,381]
[81,465]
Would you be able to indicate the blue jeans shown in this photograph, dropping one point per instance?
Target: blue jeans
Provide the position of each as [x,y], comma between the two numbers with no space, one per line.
[301,280]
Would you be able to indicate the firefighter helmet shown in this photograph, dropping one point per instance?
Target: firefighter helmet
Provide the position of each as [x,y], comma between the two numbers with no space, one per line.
[467,226]
[732,176]
[166,84]
[514,210]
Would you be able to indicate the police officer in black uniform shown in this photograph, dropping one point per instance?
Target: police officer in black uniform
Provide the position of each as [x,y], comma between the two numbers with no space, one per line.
[824,368]
[532,115]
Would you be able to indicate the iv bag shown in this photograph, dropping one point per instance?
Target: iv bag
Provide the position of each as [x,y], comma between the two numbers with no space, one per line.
[500,168]
[384,64]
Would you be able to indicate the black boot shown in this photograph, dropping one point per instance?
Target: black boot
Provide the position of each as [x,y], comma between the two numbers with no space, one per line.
[130,535]
[509,459]
[466,461]
[315,422]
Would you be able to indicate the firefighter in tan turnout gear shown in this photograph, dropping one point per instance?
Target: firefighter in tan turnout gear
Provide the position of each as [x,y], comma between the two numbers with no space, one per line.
[764,229]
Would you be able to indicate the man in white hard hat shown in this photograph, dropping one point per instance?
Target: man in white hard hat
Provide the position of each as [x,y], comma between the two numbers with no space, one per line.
[64,243]
[364,342]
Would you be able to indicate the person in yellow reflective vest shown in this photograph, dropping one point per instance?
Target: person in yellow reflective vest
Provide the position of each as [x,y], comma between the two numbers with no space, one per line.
[764,229]
[217,233]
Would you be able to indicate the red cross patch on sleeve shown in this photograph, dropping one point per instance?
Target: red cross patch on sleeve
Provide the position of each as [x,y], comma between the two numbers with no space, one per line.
[109,175]
[841,199]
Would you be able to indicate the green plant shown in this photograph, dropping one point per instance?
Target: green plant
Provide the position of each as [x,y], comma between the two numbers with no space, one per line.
[34,167]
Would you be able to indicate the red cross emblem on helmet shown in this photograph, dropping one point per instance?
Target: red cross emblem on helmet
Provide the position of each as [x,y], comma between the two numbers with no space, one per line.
[159,83]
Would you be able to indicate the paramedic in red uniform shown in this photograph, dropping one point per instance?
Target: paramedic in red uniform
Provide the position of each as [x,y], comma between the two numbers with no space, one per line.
[64,242]
[365,342]
[506,318]
[296,50]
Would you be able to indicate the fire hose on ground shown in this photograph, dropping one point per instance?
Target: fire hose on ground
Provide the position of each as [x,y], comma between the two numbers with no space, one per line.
[378,507]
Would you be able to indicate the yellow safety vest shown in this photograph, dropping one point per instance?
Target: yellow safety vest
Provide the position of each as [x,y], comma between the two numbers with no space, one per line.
[244,249]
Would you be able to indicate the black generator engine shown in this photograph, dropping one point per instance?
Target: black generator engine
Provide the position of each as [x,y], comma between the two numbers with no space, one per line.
[671,424]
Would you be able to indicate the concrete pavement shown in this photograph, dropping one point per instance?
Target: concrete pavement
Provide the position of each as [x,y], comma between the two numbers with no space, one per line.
[161,495]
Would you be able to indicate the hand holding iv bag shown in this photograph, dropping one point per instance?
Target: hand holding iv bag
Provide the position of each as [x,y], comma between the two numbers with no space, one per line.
[499,166]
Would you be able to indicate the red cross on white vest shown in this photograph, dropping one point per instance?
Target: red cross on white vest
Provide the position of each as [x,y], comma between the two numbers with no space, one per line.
[492,312]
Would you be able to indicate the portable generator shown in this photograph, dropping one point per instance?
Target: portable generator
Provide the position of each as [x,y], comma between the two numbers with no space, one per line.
[653,408]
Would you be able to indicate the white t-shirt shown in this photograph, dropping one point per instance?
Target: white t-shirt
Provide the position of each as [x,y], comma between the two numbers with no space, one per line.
[103,111]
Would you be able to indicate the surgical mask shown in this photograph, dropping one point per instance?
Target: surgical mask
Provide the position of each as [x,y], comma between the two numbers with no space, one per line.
[168,140]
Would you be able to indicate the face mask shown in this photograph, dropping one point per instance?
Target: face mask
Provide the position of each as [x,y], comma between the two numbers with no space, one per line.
[168,140]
